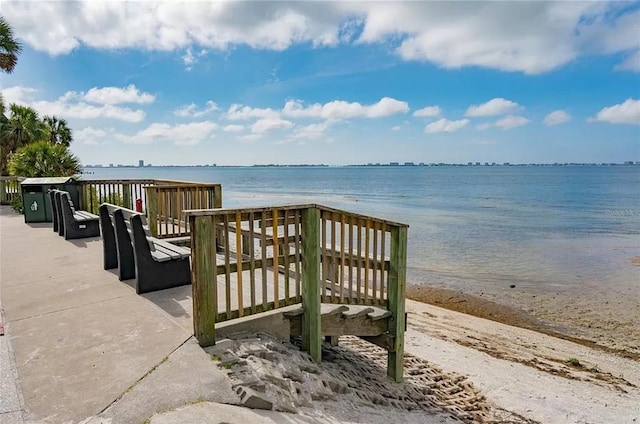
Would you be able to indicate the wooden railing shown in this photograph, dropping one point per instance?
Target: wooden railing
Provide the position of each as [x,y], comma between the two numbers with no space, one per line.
[9,189]
[166,201]
[162,200]
[246,261]
[118,192]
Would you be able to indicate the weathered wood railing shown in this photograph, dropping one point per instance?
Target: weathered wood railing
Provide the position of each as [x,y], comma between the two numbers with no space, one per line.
[9,189]
[246,261]
[117,192]
[162,200]
[166,201]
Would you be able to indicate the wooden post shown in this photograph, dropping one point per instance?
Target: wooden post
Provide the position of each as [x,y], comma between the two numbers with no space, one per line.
[311,335]
[126,195]
[396,297]
[3,191]
[217,196]
[152,209]
[204,280]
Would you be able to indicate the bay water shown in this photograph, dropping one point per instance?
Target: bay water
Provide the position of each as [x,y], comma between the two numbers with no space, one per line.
[473,228]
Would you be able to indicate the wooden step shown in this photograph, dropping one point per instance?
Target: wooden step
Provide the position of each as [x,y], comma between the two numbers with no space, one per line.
[379,314]
[355,312]
[327,309]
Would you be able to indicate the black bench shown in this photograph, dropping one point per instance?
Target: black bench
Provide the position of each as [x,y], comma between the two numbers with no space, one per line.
[128,245]
[54,209]
[75,223]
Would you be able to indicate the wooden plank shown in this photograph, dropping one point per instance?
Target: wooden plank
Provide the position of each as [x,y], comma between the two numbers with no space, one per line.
[263,249]
[204,282]
[297,252]
[342,258]
[396,300]
[252,265]
[276,272]
[311,332]
[374,285]
[152,210]
[359,267]
[352,313]
[285,259]
[366,260]
[350,259]
[239,258]
[333,267]
[227,263]
[335,325]
[383,234]
[325,262]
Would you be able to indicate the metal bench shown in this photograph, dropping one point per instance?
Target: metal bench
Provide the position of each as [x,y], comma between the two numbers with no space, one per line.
[128,245]
[76,224]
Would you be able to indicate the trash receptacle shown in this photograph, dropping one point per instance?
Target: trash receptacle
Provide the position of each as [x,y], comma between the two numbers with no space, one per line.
[36,200]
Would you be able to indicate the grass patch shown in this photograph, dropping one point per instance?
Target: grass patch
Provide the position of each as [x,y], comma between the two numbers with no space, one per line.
[574,362]
[215,357]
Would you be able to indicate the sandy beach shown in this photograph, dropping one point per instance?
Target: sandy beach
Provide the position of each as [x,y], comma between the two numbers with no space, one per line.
[600,318]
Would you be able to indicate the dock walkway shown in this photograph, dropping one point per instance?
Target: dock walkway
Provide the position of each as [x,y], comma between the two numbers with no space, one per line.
[80,337]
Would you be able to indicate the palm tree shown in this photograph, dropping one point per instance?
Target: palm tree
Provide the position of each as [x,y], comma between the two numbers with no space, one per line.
[43,159]
[9,47]
[57,131]
[21,128]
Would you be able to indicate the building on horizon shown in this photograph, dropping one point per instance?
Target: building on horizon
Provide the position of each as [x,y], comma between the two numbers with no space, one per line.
[141,163]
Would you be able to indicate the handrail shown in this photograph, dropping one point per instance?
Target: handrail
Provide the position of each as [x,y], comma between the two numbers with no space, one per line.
[271,257]
[162,200]
[9,188]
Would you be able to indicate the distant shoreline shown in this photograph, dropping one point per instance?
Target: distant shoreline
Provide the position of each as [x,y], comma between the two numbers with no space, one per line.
[394,165]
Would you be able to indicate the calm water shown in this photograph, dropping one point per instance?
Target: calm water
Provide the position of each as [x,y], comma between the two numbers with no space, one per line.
[546,228]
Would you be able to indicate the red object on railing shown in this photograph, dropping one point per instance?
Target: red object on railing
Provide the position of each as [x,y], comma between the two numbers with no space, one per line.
[138,205]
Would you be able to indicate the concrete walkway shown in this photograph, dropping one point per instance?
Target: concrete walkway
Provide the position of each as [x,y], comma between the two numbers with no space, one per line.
[81,339]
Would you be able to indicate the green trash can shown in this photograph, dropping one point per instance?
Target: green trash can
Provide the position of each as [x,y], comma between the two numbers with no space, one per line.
[36,200]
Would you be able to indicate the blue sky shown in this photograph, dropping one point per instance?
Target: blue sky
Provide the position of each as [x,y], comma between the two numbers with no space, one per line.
[238,83]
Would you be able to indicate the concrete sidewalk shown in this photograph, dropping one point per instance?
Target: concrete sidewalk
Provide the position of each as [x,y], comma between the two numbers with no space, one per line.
[83,340]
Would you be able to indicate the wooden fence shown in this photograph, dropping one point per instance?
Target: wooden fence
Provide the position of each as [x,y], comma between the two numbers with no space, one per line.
[9,189]
[268,258]
[118,192]
[162,200]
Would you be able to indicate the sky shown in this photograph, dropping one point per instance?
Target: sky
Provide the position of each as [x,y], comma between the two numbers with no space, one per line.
[307,82]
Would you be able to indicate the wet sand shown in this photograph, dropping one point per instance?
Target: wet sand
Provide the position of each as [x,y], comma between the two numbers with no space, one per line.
[606,321]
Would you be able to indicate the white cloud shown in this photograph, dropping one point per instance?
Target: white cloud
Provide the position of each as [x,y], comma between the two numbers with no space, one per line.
[396,128]
[428,112]
[623,113]
[530,37]
[90,135]
[82,110]
[249,137]
[340,109]
[233,128]
[631,63]
[444,125]
[190,58]
[17,94]
[313,131]
[511,121]
[484,126]
[556,117]
[69,105]
[239,112]
[494,107]
[180,134]
[191,110]
[116,95]
[265,125]
[336,109]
